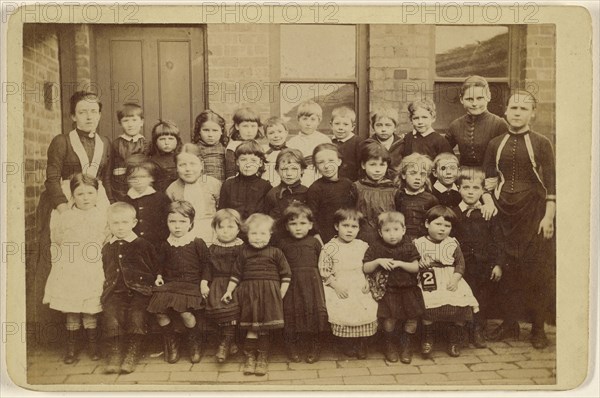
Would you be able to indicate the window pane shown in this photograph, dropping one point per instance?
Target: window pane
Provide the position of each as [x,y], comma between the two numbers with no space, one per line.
[448,106]
[329,96]
[461,51]
[318,51]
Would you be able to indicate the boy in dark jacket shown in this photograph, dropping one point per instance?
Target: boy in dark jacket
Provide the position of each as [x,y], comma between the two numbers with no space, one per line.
[130,269]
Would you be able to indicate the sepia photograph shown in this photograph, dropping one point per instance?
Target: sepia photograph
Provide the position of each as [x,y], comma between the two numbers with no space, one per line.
[290,197]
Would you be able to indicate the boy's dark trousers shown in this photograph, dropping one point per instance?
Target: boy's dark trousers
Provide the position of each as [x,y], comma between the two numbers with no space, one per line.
[484,290]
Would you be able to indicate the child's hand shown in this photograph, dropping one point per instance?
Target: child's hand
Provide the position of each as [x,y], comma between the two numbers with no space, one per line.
[227,297]
[488,210]
[159,281]
[366,289]
[204,289]
[386,263]
[341,292]
[452,286]
[425,262]
[496,273]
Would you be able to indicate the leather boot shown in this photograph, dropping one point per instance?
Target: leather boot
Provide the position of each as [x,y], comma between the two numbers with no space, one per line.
[427,341]
[314,349]
[539,340]
[291,347]
[133,352]
[223,349]
[92,341]
[476,334]
[453,340]
[194,344]
[362,351]
[507,329]
[71,349]
[406,347]
[114,356]
[250,353]
[389,350]
[349,346]
[262,365]
[171,344]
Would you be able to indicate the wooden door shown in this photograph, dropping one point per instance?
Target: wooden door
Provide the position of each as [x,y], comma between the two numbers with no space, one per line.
[161,68]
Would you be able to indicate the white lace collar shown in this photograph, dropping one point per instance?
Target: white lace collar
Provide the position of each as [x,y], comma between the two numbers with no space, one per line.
[414,193]
[235,242]
[184,240]
[132,138]
[129,238]
[133,194]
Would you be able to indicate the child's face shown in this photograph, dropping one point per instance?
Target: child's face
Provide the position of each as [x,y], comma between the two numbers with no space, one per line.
[87,115]
[519,111]
[178,224]
[446,172]
[375,169]
[166,143]
[248,130]
[121,223]
[210,132]
[328,163]
[227,230]
[299,227]
[290,172]
[189,167]
[470,191]
[132,125]
[309,123]
[85,197]
[259,235]
[347,229]
[384,128]
[438,229]
[248,164]
[422,120]
[342,127]
[415,177]
[276,135]
[392,232]
[140,180]
[475,100]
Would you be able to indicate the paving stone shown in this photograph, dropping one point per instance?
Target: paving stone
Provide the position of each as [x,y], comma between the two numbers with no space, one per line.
[395,370]
[443,368]
[460,383]
[473,376]
[497,344]
[512,350]
[537,364]
[366,363]
[54,379]
[146,377]
[194,376]
[536,355]
[479,367]
[91,379]
[476,351]
[166,367]
[502,358]
[524,373]
[431,378]
[217,367]
[323,380]
[519,343]
[508,381]
[370,380]
[545,380]
[313,366]
[344,372]
[292,374]
[453,360]
[416,360]
[69,370]
[235,377]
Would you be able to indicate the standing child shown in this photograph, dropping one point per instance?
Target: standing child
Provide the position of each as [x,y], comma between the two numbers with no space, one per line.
[351,308]
[445,170]
[209,135]
[343,122]
[184,288]
[200,190]
[304,308]
[375,191]
[263,275]
[246,126]
[276,132]
[150,206]
[384,123]
[412,199]
[224,252]
[309,117]
[247,190]
[126,146]
[130,268]
[392,265]
[166,143]
[74,285]
[448,298]
[423,139]
[330,192]
[481,244]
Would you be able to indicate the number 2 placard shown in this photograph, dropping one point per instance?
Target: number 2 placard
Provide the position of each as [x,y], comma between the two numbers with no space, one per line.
[428,281]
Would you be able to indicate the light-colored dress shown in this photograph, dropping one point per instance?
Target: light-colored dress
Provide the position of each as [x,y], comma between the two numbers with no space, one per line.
[356,315]
[76,279]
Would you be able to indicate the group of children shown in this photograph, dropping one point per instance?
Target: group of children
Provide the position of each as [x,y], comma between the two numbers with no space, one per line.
[308,235]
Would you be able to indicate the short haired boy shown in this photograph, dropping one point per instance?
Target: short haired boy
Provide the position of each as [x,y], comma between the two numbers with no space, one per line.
[445,171]
[384,124]
[129,147]
[130,269]
[343,122]
[482,247]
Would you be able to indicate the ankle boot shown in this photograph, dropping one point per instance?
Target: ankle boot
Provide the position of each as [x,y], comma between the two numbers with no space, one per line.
[539,340]
[92,340]
[71,349]
[427,341]
[453,340]
[507,329]
[476,334]
[406,347]
[314,349]
[250,353]
[114,356]
[389,350]
[194,344]
[171,344]
[262,366]
[291,347]
[132,355]
[363,350]
[223,349]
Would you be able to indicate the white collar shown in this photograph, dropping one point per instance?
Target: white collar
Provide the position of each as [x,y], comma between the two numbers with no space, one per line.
[463,206]
[442,188]
[129,238]
[134,138]
[235,242]
[425,134]
[184,240]
[133,194]
[414,193]
[344,139]
[387,143]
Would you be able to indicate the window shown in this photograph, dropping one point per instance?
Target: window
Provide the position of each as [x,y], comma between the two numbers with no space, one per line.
[461,51]
[322,63]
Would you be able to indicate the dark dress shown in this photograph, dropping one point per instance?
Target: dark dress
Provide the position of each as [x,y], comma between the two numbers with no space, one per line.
[431,144]
[281,196]
[402,298]
[350,151]
[325,197]
[167,170]
[214,159]
[304,307]
[374,198]
[259,274]
[183,268]
[246,194]
[124,152]
[151,213]
[223,258]
[414,208]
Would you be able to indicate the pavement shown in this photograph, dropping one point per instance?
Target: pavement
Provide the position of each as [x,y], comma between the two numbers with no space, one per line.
[506,362]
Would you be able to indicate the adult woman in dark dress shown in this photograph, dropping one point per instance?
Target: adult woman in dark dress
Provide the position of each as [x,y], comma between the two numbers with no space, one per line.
[522,162]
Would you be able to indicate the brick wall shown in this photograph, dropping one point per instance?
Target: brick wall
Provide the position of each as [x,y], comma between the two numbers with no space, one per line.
[238,69]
